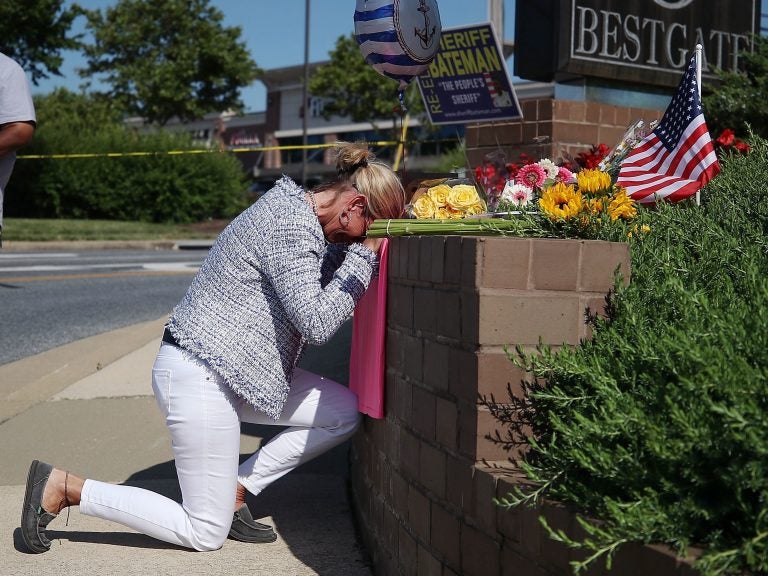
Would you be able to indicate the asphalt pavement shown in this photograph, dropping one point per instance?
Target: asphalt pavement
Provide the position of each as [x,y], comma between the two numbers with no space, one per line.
[87,407]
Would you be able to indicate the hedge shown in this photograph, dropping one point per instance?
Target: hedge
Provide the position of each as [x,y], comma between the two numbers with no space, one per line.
[159,187]
[657,426]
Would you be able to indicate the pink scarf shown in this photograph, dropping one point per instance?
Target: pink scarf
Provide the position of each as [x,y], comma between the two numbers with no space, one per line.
[367,364]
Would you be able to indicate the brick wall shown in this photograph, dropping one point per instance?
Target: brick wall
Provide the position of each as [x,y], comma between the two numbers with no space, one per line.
[424,478]
[553,129]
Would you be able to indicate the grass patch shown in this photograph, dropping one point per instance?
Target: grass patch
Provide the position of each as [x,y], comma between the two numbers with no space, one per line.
[47,230]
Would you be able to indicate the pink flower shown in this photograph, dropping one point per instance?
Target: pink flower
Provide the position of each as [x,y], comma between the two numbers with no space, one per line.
[564,175]
[531,175]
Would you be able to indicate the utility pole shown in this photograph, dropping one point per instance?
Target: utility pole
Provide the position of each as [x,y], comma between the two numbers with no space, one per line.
[496,16]
[305,97]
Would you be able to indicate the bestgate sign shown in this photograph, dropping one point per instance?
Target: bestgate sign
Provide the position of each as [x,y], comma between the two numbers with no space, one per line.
[641,41]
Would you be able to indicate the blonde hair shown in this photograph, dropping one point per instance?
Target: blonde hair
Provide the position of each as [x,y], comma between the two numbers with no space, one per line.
[358,167]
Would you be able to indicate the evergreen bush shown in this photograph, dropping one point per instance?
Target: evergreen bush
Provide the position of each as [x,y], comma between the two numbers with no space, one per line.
[153,186]
[738,100]
[657,426]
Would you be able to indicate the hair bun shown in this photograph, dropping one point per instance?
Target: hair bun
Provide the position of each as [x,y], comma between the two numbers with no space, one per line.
[351,156]
[349,170]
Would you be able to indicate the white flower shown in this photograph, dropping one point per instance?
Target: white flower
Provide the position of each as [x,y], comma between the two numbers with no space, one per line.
[518,194]
[549,167]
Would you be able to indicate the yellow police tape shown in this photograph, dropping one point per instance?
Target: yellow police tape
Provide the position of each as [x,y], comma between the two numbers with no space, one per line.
[195,151]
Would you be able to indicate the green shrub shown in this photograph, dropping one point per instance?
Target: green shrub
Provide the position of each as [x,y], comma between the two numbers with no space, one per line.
[158,187]
[657,425]
[738,100]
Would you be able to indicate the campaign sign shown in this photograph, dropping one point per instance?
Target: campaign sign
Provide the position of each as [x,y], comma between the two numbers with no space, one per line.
[467,81]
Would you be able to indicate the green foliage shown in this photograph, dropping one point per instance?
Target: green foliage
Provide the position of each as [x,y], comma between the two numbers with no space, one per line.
[34,32]
[657,425]
[354,89]
[158,187]
[51,229]
[454,159]
[168,59]
[738,102]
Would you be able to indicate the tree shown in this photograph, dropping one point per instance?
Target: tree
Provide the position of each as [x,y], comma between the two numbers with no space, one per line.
[34,32]
[168,59]
[739,101]
[63,113]
[354,89]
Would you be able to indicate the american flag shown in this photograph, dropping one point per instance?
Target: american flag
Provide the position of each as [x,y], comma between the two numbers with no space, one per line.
[677,159]
[490,84]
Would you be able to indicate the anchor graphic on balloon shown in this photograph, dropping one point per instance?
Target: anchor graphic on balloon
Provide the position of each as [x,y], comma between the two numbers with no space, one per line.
[424,34]
[398,38]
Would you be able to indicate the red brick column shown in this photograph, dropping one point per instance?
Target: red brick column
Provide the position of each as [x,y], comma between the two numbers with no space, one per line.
[424,478]
[554,129]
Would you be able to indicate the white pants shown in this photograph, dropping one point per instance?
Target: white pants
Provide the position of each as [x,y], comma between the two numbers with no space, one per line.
[203,416]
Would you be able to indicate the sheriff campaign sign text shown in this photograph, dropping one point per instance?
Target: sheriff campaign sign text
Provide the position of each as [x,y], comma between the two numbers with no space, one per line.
[467,80]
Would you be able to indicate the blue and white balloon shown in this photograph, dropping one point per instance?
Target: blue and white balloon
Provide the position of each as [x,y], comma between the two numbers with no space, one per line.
[398,38]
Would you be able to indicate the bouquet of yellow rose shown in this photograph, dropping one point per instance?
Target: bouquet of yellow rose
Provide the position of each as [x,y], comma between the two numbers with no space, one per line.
[449,200]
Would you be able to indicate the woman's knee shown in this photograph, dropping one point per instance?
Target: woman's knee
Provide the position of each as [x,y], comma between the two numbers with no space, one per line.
[349,417]
[208,538]
[208,528]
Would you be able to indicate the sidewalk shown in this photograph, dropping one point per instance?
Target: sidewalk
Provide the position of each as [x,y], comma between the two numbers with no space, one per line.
[88,407]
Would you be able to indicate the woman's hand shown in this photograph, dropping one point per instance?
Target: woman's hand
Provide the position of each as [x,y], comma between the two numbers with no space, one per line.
[373,244]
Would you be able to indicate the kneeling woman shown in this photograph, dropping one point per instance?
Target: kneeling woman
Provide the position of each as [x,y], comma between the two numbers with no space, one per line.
[286,272]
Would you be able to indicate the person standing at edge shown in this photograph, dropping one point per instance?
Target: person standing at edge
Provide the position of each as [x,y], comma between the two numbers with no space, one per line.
[287,271]
[17,120]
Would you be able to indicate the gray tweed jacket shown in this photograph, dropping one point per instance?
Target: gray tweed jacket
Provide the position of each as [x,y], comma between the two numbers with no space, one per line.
[268,286]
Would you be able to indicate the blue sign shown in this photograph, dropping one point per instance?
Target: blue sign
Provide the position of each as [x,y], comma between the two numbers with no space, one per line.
[468,81]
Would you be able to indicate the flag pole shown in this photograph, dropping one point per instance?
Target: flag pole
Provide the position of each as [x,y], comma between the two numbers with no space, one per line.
[699,53]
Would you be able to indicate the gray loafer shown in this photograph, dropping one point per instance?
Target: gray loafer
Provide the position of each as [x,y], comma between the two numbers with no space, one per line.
[34,518]
[246,529]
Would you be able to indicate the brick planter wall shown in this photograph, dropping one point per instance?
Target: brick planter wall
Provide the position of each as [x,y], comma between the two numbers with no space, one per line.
[423,478]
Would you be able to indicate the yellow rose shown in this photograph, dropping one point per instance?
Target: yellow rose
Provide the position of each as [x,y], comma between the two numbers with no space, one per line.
[439,194]
[424,207]
[443,213]
[476,208]
[462,196]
